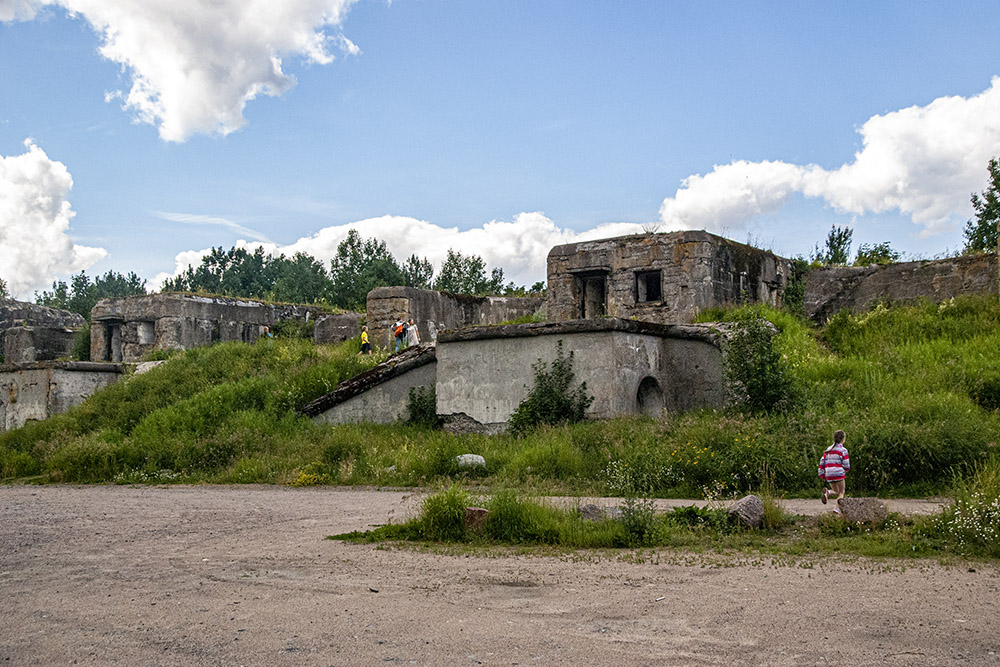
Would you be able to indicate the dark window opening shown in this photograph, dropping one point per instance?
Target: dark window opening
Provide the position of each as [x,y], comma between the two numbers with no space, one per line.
[648,286]
[592,290]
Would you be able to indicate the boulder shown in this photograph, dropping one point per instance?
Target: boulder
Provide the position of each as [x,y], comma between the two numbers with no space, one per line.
[474,518]
[749,511]
[863,510]
[470,461]
[592,512]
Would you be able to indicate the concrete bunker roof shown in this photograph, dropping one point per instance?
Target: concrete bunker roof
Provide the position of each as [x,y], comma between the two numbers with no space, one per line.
[709,333]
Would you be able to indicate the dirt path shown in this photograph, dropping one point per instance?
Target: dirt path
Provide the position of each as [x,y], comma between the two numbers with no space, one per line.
[243,576]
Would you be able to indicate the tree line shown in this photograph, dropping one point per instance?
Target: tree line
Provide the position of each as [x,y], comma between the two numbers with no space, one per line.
[362,265]
[358,267]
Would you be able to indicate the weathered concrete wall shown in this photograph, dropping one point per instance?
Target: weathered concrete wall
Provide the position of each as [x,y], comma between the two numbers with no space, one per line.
[696,270]
[691,271]
[127,329]
[40,390]
[337,328]
[26,344]
[379,395]
[829,290]
[630,367]
[434,312]
[20,314]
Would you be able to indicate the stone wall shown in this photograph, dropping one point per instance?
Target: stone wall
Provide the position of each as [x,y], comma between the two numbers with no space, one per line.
[337,328]
[829,290]
[665,278]
[381,394]
[434,312]
[26,344]
[630,367]
[21,314]
[128,329]
[40,390]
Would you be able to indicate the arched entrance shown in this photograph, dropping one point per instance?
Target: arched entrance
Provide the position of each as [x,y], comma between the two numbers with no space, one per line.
[649,397]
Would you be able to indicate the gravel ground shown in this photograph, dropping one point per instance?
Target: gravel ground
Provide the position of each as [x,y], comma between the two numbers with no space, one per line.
[207,575]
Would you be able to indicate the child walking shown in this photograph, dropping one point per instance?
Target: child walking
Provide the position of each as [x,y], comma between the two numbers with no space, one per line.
[833,467]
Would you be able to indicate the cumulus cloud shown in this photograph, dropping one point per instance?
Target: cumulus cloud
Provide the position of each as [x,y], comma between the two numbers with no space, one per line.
[34,220]
[519,247]
[194,64]
[922,161]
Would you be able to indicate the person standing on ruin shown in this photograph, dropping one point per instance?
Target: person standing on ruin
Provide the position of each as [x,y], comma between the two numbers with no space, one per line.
[399,333]
[412,335]
[833,467]
[366,347]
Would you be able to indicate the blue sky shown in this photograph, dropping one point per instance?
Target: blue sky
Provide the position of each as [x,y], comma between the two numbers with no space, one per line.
[499,128]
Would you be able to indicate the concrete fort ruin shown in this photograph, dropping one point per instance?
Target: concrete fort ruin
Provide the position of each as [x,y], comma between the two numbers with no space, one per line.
[665,278]
[126,330]
[434,312]
[623,307]
[481,374]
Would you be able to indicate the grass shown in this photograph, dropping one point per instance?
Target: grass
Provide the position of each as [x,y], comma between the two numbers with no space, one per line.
[917,389]
[518,520]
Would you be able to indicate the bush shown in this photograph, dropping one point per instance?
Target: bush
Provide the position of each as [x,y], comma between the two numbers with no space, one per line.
[755,372]
[81,344]
[551,400]
[421,406]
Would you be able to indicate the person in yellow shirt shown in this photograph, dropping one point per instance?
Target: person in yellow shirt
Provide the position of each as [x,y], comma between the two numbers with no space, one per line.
[366,347]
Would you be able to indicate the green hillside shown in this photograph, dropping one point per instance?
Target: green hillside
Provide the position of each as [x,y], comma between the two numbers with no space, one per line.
[916,388]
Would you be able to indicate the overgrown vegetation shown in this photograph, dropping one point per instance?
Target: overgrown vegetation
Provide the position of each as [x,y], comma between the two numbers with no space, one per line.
[968,529]
[754,369]
[552,400]
[917,389]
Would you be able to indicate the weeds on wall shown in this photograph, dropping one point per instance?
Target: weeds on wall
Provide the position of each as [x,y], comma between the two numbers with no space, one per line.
[421,407]
[552,400]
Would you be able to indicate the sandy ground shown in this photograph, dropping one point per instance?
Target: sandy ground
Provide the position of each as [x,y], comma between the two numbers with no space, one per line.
[243,576]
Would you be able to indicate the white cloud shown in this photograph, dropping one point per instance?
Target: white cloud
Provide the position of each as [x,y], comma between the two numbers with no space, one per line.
[194,64]
[191,219]
[921,161]
[520,247]
[34,219]
[17,10]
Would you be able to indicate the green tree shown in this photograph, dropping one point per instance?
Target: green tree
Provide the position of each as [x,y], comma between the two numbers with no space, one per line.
[418,272]
[981,234]
[359,267]
[233,272]
[878,253]
[4,294]
[838,247]
[466,274]
[301,279]
[82,293]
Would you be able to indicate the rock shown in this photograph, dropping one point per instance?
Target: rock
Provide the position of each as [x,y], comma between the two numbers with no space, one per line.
[749,510]
[474,518]
[146,366]
[470,461]
[863,510]
[592,512]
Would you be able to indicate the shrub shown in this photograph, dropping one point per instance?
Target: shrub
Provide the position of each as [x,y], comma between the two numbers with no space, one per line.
[81,344]
[755,373]
[518,520]
[551,399]
[421,406]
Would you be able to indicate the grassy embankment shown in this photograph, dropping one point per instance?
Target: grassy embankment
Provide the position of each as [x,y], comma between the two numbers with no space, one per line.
[917,389]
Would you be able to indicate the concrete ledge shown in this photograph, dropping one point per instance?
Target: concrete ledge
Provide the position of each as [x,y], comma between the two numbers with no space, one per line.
[84,366]
[398,364]
[709,333]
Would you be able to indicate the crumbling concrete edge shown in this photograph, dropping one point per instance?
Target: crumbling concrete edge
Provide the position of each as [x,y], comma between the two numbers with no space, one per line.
[396,365]
[709,333]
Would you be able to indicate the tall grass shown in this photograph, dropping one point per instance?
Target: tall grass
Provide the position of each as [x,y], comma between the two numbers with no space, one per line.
[916,389]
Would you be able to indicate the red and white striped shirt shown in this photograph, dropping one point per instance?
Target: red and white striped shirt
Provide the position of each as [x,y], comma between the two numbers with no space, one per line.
[834,463]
